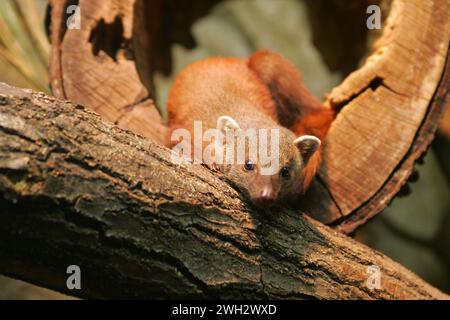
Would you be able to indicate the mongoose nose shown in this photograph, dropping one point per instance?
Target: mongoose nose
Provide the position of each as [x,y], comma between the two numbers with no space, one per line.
[266,197]
[266,193]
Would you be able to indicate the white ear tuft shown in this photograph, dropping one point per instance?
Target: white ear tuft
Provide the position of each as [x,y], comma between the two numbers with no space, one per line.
[226,123]
[307,145]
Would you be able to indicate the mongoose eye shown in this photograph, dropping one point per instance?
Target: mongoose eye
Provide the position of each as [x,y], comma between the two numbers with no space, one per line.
[249,166]
[285,172]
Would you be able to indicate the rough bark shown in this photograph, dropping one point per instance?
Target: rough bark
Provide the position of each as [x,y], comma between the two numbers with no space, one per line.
[77,190]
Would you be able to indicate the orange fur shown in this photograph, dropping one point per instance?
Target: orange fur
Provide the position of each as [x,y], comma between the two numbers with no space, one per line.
[297,108]
[316,123]
[229,81]
[266,80]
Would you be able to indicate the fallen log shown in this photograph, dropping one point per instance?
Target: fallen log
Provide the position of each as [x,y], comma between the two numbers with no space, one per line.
[76,190]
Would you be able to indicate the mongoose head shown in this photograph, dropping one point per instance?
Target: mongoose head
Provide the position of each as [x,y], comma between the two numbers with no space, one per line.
[271,171]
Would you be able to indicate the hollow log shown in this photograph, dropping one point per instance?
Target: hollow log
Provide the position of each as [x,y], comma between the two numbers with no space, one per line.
[388,109]
[77,190]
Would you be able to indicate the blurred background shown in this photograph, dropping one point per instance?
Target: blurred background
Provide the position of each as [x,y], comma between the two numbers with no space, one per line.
[413,230]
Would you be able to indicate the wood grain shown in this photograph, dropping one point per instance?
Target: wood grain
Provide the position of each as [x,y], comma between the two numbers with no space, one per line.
[94,66]
[383,105]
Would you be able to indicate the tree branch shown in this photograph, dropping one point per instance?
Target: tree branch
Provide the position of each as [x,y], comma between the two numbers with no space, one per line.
[77,190]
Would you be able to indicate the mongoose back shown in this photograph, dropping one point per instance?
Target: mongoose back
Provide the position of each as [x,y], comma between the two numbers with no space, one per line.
[237,96]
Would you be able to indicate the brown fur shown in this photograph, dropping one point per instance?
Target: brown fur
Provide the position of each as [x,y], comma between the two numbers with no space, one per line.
[263,91]
[297,108]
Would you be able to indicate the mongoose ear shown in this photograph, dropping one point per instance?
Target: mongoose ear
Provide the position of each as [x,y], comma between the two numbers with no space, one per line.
[307,145]
[226,123]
